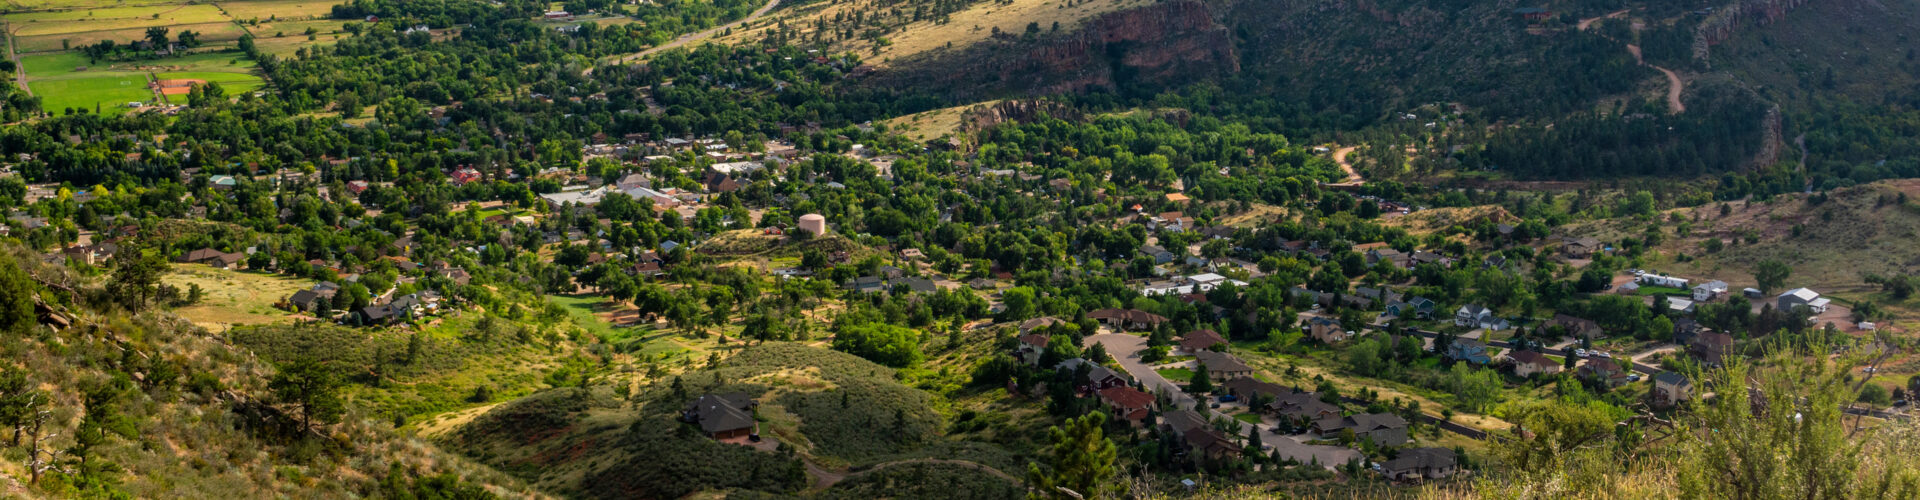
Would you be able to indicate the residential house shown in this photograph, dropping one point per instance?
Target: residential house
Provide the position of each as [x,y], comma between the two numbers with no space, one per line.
[1579,248]
[1579,328]
[1604,371]
[721,416]
[1127,319]
[1417,307]
[865,284]
[1420,464]
[1222,366]
[1671,388]
[1030,348]
[1249,387]
[1650,279]
[1127,403]
[1685,329]
[1178,422]
[1098,377]
[1709,291]
[1469,350]
[1391,256]
[911,284]
[1384,429]
[1711,347]
[1029,326]
[1303,406]
[1159,254]
[1326,330]
[1200,340]
[305,301]
[1530,363]
[214,258]
[1801,297]
[1478,316]
[1210,444]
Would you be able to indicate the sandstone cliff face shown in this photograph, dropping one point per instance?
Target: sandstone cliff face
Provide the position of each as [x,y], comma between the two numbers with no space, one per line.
[1162,44]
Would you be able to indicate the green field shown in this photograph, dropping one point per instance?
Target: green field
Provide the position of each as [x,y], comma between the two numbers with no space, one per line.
[54,77]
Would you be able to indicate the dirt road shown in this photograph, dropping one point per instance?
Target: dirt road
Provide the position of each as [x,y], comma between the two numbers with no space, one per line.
[695,37]
[1675,86]
[1340,157]
[1584,23]
[19,70]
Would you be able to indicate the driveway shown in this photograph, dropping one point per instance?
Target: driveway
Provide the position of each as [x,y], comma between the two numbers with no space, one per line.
[1126,349]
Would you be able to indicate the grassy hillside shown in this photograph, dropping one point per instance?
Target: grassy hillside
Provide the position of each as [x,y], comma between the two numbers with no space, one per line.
[828,409]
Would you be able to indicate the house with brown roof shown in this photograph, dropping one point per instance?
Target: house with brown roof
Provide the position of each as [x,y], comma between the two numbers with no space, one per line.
[1201,340]
[1530,363]
[1030,348]
[1127,319]
[1579,248]
[1127,403]
[214,258]
[1604,371]
[1576,327]
[1222,366]
[1029,326]
[1711,347]
[1207,443]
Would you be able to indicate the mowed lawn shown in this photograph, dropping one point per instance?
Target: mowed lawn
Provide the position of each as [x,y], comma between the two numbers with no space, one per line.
[233,297]
[55,78]
[233,83]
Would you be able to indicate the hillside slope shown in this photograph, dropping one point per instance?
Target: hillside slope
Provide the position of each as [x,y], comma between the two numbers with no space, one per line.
[149,405]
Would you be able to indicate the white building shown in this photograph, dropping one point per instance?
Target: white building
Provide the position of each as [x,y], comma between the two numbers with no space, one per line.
[1660,280]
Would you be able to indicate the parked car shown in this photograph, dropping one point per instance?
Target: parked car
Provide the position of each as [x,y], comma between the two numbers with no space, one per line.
[1633,378]
[1579,353]
[1602,354]
[1228,398]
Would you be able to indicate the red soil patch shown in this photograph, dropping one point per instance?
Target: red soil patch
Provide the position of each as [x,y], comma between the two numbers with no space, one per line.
[178,87]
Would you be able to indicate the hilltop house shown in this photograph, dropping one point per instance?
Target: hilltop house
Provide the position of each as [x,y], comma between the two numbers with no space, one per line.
[721,416]
[1127,403]
[1579,248]
[1030,348]
[1302,406]
[1127,319]
[1326,330]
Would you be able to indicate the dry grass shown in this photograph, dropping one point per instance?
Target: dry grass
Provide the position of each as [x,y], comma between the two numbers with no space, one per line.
[233,297]
[1437,219]
[932,124]
[972,25]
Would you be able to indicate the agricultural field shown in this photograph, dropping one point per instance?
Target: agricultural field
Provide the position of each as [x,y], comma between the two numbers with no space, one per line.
[264,10]
[233,297]
[64,81]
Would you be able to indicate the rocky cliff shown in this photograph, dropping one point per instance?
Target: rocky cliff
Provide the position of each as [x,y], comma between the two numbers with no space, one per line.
[1162,44]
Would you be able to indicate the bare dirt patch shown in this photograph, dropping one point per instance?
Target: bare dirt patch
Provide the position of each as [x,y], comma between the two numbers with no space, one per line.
[179,87]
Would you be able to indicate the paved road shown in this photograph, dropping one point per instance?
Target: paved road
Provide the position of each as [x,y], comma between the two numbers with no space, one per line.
[695,37]
[1126,349]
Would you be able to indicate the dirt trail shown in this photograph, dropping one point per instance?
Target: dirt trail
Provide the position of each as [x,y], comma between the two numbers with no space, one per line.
[1675,86]
[1340,157]
[695,37]
[1584,23]
[19,70]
